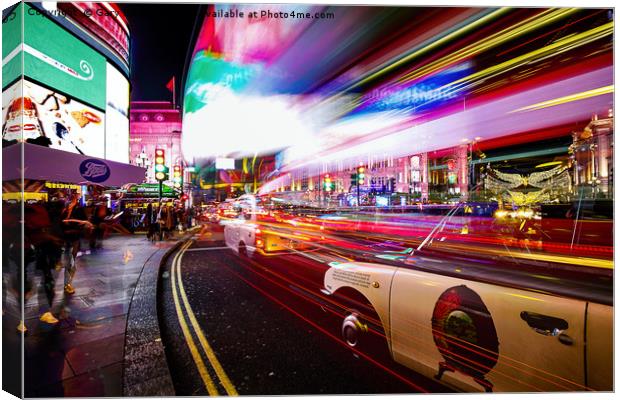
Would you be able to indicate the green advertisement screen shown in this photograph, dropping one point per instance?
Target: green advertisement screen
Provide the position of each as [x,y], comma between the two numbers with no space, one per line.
[11,42]
[56,58]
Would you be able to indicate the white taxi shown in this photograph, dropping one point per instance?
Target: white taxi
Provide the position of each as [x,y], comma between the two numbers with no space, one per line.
[481,327]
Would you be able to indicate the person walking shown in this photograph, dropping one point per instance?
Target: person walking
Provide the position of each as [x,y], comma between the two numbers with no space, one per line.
[75,225]
[47,245]
[160,221]
[170,221]
[97,218]
[16,255]
[149,222]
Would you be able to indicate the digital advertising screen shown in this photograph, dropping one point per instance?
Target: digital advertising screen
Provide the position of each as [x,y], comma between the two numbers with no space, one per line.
[11,46]
[117,116]
[226,75]
[12,115]
[55,57]
[69,124]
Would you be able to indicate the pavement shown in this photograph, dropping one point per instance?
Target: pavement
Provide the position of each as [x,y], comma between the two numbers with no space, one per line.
[83,354]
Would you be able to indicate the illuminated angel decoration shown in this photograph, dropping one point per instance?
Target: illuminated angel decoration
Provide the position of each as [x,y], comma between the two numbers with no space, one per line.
[554,180]
[527,199]
[557,178]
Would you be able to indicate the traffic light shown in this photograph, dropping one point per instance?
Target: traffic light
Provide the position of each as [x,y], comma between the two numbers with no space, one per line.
[177,176]
[161,172]
[328,185]
[360,175]
[392,185]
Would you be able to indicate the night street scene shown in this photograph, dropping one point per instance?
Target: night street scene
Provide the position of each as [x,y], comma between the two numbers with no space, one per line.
[306,199]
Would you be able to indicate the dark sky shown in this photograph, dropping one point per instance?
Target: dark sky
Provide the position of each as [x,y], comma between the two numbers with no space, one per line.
[160,37]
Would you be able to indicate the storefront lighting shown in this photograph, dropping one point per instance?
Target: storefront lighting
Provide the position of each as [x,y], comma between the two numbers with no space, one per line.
[499,214]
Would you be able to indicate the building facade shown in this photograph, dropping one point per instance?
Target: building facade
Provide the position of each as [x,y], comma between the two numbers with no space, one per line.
[550,165]
[154,125]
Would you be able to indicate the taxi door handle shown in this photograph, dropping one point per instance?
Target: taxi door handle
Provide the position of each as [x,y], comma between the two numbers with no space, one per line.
[544,324]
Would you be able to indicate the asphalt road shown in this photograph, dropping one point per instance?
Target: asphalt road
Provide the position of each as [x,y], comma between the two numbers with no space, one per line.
[263,330]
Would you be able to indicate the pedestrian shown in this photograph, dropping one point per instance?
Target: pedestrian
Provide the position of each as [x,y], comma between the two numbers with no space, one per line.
[100,212]
[150,222]
[170,221]
[159,222]
[75,225]
[179,219]
[13,264]
[38,226]
[55,208]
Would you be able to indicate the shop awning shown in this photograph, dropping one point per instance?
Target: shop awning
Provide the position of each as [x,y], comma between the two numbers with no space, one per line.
[43,163]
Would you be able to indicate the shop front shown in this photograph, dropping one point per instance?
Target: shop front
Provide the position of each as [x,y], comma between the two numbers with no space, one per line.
[140,201]
[49,173]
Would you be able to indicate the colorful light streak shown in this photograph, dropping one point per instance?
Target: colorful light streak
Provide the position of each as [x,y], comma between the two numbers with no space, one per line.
[490,120]
[524,27]
[435,43]
[568,99]
[568,43]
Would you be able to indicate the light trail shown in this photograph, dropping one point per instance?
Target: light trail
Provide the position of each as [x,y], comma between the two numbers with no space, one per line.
[567,99]
[560,46]
[497,39]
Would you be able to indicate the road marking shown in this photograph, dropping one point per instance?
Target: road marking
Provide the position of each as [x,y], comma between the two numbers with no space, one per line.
[209,248]
[224,380]
[202,369]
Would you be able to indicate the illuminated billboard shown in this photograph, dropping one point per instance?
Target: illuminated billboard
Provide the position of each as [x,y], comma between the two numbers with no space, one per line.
[418,95]
[55,57]
[13,118]
[117,116]
[230,59]
[71,95]
[69,124]
[11,46]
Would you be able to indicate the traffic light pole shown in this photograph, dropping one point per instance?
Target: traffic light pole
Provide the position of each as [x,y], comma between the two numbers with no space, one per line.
[161,188]
[357,183]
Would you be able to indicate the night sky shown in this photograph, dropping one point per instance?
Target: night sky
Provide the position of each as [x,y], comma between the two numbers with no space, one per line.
[160,37]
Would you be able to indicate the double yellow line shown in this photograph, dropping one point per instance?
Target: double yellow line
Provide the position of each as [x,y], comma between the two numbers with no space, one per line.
[176,280]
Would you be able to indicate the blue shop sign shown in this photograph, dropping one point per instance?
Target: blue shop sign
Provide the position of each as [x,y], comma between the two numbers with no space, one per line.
[94,170]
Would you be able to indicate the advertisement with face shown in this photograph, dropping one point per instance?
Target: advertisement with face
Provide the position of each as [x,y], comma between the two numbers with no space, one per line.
[52,119]
[117,116]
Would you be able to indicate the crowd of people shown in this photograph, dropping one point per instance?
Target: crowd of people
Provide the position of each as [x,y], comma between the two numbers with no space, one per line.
[161,221]
[52,236]
[54,232]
